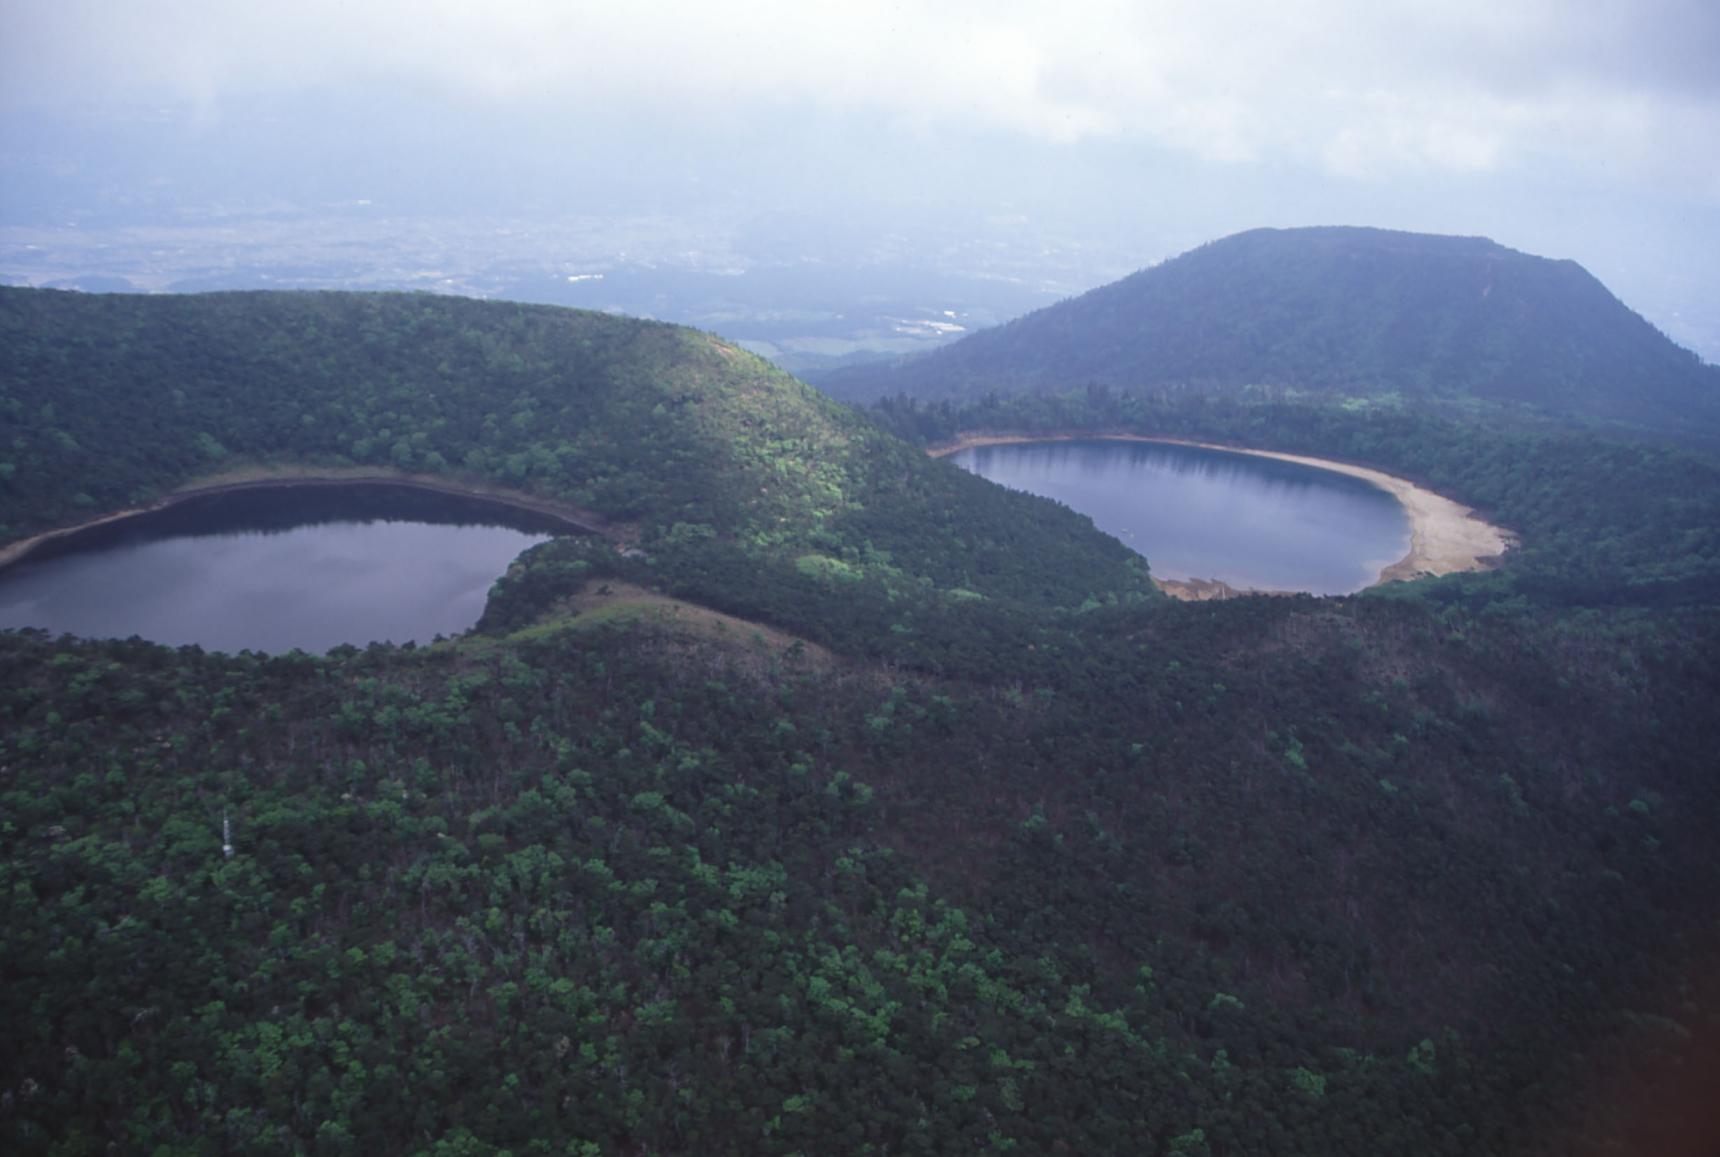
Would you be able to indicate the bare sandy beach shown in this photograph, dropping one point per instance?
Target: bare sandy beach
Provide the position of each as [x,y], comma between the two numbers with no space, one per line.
[1446,537]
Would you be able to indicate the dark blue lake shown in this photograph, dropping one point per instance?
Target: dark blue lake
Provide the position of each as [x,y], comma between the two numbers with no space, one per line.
[1255,523]
[307,567]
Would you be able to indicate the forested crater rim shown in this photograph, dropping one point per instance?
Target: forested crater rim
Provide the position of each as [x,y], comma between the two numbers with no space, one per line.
[286,477]
[1446,537]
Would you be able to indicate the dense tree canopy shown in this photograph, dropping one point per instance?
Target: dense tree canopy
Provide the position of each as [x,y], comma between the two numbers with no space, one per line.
[997,851]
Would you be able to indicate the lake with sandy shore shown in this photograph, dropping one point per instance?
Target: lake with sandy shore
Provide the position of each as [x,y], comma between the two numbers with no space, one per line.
[1214,521]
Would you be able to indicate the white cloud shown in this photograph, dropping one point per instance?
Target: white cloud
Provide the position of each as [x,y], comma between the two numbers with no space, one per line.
[1364,90]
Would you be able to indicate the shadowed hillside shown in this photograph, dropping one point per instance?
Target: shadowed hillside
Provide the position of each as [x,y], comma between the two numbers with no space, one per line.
[1343,311]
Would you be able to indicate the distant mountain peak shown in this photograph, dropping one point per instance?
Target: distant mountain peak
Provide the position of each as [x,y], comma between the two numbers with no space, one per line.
[1345,310]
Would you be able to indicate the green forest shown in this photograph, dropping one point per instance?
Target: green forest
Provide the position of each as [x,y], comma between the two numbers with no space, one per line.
[1003,851]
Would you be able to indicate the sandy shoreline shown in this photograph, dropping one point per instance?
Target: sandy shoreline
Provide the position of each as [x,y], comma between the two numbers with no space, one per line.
[1446,537]
[272,477]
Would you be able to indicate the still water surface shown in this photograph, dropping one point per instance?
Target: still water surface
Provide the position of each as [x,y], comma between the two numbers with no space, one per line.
[1255,523]
[269,570]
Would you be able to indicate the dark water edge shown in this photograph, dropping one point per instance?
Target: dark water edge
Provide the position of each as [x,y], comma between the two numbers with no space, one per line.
[1196,513]
[278,567]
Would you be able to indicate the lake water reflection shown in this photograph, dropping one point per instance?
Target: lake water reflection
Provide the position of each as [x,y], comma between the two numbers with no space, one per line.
[307,567]
[1255,523]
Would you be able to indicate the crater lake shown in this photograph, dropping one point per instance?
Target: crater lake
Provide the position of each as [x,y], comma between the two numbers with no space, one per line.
[1197,513]
[279,567]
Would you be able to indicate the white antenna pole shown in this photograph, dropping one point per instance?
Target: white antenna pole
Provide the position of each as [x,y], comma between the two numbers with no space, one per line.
[226,835]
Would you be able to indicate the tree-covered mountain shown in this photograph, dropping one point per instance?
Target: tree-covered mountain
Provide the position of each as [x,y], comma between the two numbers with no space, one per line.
[677,439]
[1342,311]
[837,801]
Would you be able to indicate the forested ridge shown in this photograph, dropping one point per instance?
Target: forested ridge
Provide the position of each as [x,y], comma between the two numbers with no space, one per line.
[1341,312]
[113,400]
[1034,861]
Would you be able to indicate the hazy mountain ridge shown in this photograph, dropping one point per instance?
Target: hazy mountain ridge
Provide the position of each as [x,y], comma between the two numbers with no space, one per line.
[1337,310]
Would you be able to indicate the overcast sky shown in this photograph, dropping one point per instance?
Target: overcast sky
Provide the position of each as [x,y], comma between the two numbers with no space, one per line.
[1583,128]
